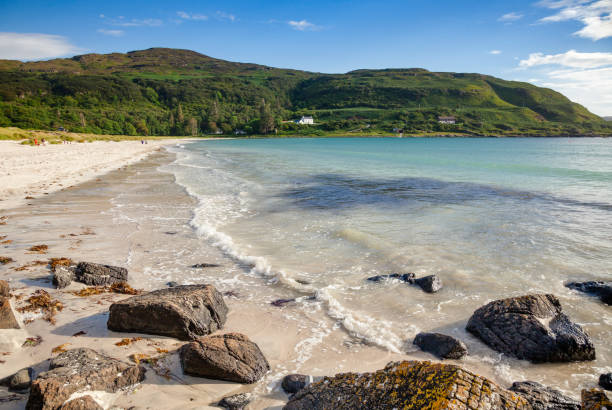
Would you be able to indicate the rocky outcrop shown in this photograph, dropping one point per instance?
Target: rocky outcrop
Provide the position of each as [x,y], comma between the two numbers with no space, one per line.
[603,290]
[430,284]
[407,385]
[82,403]
[232,357]
[293,383]
[5,289]
[95,274]
[63,276]
[183,312]
[544,398]
[442,346]
[236,401]
[7,317]
[595,399]
[605,381]
[531,327]
[78,370]
[19,381]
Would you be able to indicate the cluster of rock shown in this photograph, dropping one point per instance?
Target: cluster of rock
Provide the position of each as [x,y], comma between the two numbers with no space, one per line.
[430,283]
[92,274]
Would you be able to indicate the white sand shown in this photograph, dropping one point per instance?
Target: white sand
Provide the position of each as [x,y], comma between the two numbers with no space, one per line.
[33,171]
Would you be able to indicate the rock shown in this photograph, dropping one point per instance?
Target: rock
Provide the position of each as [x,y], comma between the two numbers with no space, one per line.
[605,381]
[531,327]
[595,399]
[78,370]
[601,289]
[442,346]
[95,274]
[293,383]
[205,265]
[404,277]
[544,398]
[7,317]
[183,312]
[6,397]
[5,289]
[281,302]
[82,403]
[19,381]
[231,357]
[236,401]
[430,284]
[407,385]
[63,276]
[172,284]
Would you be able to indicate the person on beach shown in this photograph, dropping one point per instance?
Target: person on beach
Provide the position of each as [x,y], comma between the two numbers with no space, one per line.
[35,141]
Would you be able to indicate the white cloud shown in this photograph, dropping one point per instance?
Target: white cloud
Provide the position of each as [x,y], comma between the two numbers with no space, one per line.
[513,16]
[190,16]
[221,15]
[114,33]
[35,46]
[596,16]
[570,58]
[495,52]
[121,21]
[303,25]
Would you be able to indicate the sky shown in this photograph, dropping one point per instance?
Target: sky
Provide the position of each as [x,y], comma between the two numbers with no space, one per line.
[565,45]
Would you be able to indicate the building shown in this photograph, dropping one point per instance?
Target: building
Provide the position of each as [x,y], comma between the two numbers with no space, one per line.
[447,120]
[305,120]
[239,132]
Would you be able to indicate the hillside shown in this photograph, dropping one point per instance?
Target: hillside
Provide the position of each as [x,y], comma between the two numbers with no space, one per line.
[179,92]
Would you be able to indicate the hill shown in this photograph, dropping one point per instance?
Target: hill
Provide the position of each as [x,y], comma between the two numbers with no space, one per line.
[180,92]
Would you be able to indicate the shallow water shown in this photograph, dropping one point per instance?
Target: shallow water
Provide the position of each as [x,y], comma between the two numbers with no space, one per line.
[493,218]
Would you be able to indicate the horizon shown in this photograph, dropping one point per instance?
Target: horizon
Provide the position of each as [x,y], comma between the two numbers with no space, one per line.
[563,44]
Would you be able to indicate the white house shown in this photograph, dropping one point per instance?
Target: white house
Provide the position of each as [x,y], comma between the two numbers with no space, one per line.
[447,120]
[305,120]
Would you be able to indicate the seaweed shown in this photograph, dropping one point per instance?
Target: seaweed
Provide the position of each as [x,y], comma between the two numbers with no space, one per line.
[41,300]
[39,248]
[128,341]
[54,262]
[120,287]
[60,348]
[5,259]
[32,341]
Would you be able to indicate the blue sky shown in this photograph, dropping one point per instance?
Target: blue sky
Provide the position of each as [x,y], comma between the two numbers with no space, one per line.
[561,44]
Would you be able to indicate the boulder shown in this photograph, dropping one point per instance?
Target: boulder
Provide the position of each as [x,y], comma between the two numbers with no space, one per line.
[77,370]
[232,357]
[407,385]
[5,289]
[605,381]
[430,284]
[95,274]
[236,401]
[544,398]
[601,289]
[531,327]
[442,346]
[7,317]
[19,381]
[404,277]
[183,312]
[82,403]
[63,276]
[293,383]
[595,399]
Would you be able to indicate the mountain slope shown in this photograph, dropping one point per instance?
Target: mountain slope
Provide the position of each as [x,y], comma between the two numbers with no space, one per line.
[167,91]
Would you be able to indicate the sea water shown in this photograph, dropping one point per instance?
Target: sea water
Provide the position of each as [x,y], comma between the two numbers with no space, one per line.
[312,219]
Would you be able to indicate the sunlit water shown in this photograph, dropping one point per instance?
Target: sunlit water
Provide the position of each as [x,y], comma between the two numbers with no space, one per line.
[493,218]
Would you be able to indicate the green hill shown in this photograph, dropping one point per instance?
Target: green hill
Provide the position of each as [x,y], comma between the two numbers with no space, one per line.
[179,92]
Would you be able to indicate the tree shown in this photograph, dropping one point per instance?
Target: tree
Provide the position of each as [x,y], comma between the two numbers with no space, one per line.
[266,120]
[192,126]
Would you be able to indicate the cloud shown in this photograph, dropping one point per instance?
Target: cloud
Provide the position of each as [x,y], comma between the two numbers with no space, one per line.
[123,22]
[190,16]
[303,25]
[570,58]
[510,17]
[495,52]
[114,33]
[35,46]
[596,16]
[223,16]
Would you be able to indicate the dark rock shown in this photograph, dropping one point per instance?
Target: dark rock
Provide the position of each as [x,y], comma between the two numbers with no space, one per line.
[172,284]
[601,289]
[407,385]
[95,274]
[442,346]
[183,312]
[236,401]
[282,302]
[7,317]
[595,399]
[231,357]
[5,289]
[63,276]
[293,383]
[6,397]
[430,284]
[77,370]
[544,398]
[404,277]
[531,327]
[605,381]
[205,265]
[19,381]
[82,403]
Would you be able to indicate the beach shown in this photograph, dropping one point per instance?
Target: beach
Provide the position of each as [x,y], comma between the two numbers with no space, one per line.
[142,215]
